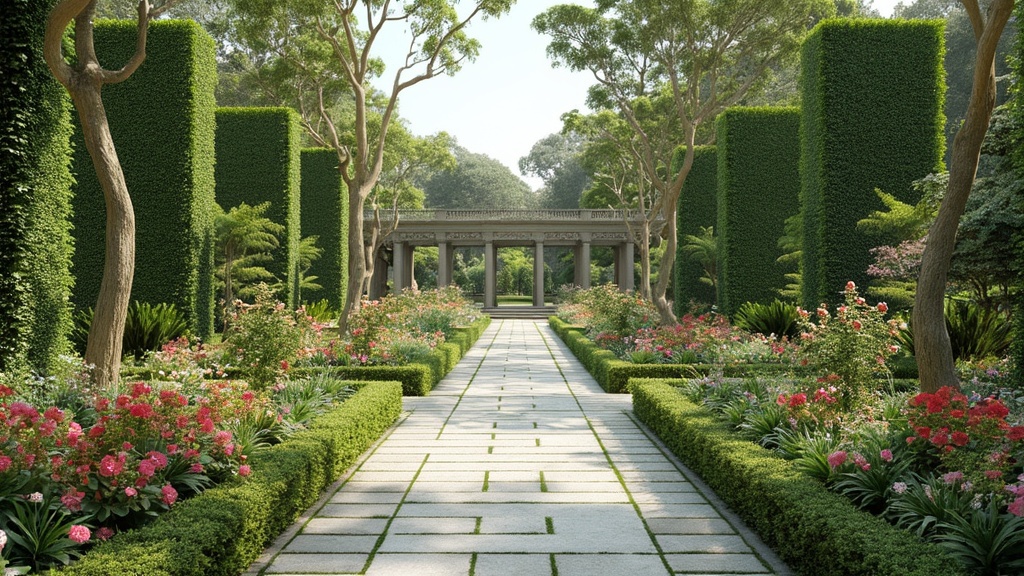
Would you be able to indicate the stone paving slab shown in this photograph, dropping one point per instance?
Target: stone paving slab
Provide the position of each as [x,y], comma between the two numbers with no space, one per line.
[510,469]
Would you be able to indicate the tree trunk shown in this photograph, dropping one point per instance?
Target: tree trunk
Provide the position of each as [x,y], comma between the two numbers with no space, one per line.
[668,210]
[645,259]
[356,258]
[932,347]
[107,329]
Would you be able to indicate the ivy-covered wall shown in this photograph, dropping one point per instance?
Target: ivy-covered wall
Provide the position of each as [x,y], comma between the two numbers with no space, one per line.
[325,214]
[162,121]
[758,188]
[35,195]
[698,207]
[872,101]
[258,160]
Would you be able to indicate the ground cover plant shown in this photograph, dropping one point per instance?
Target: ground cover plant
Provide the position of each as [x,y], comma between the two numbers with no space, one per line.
[947,467]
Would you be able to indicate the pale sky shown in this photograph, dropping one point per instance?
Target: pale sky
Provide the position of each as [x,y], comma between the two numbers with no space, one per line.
[510,97]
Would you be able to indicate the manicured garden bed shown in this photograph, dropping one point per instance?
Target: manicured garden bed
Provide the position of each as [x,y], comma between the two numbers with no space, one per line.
[814,530]
[222,530]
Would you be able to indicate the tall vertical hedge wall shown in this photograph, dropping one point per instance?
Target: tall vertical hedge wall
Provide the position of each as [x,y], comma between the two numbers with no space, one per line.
[258,159]
[162,121]
[872,97]
[35,195]
[758,188]
[698,206]
[1017,344]
[324,213]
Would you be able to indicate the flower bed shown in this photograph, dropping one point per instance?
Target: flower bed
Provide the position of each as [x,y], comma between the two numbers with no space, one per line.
[222,530]
[813,530]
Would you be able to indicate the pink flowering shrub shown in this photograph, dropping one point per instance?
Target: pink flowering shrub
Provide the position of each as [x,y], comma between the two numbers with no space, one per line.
[264,338]
[607,310]
[851,345]
[402,328]
[143,450]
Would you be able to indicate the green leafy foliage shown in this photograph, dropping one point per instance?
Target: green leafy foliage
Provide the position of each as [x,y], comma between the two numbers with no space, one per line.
[245,239]
[35,197]
[777,318]
[848,71]
[758,189]
[162,121]
[698,209]
[146,329]
[988,542]
[975,333]
[325,215]
[477,180]
[39,531]
[258,160]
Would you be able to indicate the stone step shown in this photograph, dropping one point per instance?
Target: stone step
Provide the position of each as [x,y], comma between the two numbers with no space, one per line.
[519,312]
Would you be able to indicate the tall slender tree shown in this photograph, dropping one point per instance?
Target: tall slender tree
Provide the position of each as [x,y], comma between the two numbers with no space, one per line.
[932,347]
[84,79]
[334,45]
[704,55]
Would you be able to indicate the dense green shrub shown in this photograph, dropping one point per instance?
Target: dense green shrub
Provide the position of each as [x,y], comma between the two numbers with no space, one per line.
[872,96]
[147,327]
[258,160]
[221,531]
[35,195]
[778,318]
[698,207]
[758,188]
[813,530]
[162,122]
[324,214]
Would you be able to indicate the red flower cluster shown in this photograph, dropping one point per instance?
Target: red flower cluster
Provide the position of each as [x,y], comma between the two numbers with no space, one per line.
[974,436]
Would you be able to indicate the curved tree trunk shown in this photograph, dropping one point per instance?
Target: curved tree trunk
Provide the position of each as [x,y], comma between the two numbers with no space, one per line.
[668,210]
[84,82]
[107,329]
[932,347]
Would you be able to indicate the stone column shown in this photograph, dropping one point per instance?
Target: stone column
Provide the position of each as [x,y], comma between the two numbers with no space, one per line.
[538,273]
[625,266]
[581,259]
[398,256]
[444,264]
[490,275]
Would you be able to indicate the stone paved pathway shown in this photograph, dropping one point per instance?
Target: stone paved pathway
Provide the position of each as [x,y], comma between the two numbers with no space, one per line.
[519,464]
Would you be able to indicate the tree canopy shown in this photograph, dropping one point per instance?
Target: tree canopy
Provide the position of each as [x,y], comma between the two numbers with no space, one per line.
[477,181]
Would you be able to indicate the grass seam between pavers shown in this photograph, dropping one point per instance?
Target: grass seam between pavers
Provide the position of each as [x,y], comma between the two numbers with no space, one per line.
[300,523]
[701,487]
[615,469]
[387,526]
[471,379]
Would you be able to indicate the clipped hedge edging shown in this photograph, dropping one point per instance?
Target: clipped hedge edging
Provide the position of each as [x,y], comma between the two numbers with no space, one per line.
[813,530]
[614,374]
[222,530]
[418,378]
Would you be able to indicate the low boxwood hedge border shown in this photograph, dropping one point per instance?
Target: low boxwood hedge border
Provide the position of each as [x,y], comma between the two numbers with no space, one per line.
[417,379]
[614,374]
[223,530]
[812,529]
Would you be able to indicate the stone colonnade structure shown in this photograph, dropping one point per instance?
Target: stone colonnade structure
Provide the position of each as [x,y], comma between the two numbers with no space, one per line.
[492,229]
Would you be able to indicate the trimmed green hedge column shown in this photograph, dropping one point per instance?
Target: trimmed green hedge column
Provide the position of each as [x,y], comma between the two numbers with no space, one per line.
[258,158]
[698,206]
[872,118]
[325,214]
[35,195]
[758,188]
[162,122]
